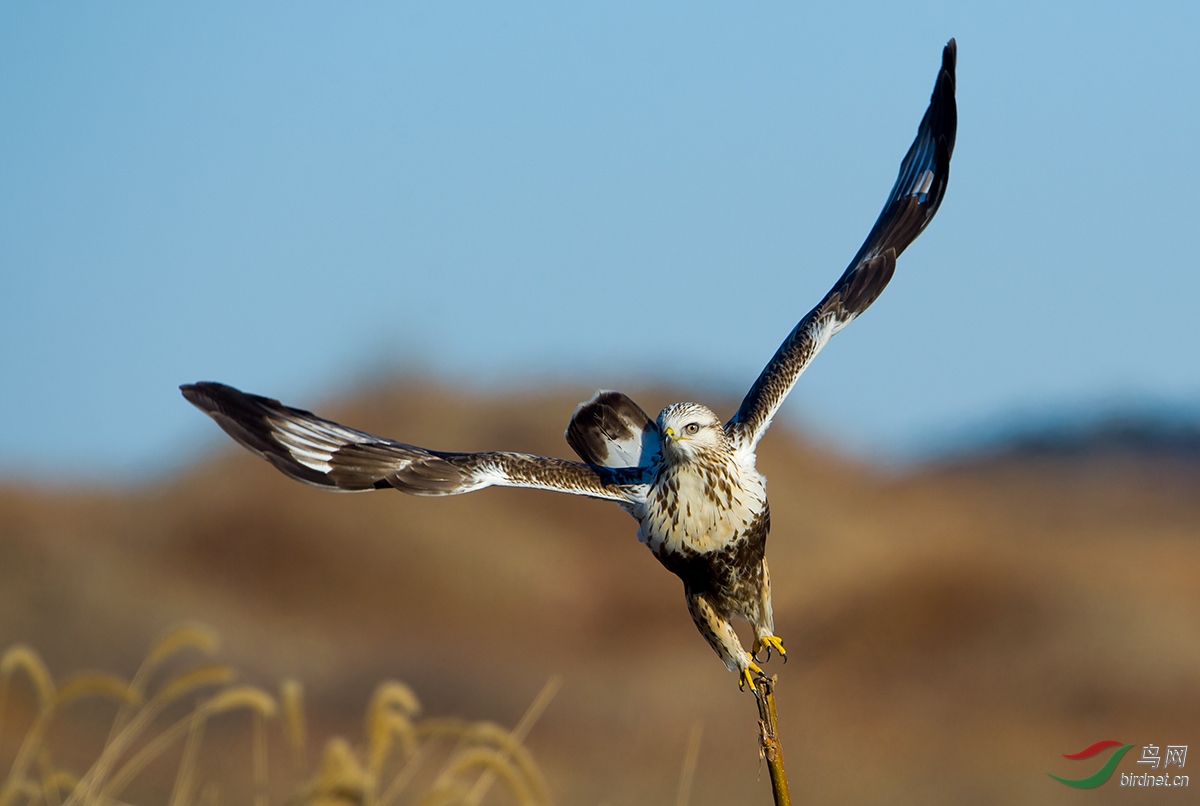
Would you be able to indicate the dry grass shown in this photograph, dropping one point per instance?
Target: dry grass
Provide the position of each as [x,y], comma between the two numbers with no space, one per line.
[399,759]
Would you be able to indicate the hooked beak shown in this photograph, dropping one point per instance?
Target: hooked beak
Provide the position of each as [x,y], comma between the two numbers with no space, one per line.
[671,435]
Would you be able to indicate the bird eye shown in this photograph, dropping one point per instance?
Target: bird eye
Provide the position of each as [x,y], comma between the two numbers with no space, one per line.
[691,428]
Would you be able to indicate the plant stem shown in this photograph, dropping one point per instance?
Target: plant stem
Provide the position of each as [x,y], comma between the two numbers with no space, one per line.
[768,731]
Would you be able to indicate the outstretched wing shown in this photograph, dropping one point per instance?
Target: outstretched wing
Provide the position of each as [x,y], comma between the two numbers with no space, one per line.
[324,454]
[914,199]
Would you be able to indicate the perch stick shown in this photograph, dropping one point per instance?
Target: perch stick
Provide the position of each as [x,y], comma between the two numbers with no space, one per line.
[768,733]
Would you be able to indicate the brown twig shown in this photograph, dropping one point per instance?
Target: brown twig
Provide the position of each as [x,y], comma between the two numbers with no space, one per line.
[768,734]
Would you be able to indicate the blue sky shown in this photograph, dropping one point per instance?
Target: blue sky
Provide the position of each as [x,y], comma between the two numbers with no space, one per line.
[295,197]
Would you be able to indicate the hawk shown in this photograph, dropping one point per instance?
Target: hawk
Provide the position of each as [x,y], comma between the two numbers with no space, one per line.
[688,480]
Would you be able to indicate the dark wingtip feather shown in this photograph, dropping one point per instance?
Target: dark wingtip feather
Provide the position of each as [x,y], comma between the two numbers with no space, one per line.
[194,394]
[211,396]
[239,414]
[906,212]
[243,416]
[942,102]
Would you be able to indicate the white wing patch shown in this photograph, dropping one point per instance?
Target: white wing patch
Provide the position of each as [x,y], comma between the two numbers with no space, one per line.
[923,183]
[312,444]
[638,451]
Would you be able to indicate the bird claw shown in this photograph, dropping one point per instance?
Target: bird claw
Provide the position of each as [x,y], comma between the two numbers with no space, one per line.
[768,643]
[747,677]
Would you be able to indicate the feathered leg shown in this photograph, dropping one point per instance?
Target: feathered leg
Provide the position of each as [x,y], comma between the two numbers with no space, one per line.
[764,624]
[717,630]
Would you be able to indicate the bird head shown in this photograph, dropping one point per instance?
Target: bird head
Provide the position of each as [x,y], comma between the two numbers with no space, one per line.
[691,431]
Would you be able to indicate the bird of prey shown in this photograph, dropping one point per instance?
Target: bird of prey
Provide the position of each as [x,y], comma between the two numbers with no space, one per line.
[689,480]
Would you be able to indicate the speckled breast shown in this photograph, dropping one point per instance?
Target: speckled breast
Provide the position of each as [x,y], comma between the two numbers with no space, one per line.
[732,576]
[702,508]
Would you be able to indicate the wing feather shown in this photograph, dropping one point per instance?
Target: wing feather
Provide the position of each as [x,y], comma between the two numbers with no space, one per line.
[326,454]
[910,206]
[610,430]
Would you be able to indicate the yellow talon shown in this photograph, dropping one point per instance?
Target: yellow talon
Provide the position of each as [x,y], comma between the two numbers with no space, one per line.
[747,678]
[768,643]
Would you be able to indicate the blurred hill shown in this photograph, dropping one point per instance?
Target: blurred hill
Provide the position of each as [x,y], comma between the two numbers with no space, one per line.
[951,629]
